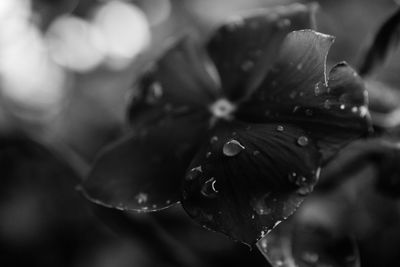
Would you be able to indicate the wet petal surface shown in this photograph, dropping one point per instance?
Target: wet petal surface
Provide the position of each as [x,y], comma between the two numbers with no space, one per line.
[248,178]
[333,110]
[143,171]
[245,47]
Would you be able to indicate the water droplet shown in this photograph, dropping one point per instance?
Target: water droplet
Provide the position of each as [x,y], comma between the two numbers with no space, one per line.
[280,128]
[309,112]
[208,189]
[301,93]
[295,109]
[253,216]
[342,106]
[305,190]
[276,224]
[208,154]
[293,94]
[194,173]
[310,257]
[354,109]
[232,148]
[214,139]
[168,202]
[302,141]
[256,153]
[247,65]
[141,198]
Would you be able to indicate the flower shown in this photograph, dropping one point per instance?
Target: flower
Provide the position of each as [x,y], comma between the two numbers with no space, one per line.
[237,131]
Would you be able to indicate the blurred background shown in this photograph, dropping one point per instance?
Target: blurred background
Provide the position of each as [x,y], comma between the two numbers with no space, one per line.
[66,67]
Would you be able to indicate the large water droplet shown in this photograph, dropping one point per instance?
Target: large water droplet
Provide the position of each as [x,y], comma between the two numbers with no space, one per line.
[208,189]
[302,140]
[232,148]
[264,244]
[141,198]
[280,128]
[342,106]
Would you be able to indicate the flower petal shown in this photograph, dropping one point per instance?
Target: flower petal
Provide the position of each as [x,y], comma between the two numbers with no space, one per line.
[178,80]
[245,47]
[296,90]
[249,178]
[143,172]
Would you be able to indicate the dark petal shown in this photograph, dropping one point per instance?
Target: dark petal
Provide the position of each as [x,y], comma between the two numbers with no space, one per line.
[180,80]
[143,171]
[245,48]
[333,112]
[249,178]
[307,244]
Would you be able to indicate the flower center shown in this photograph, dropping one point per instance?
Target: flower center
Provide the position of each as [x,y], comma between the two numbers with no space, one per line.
[222,109]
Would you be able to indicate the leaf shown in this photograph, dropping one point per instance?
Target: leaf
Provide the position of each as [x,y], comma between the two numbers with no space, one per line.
[387,38]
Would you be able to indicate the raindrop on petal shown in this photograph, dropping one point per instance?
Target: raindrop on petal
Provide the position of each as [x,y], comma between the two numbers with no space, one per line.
[232,148]
[141,198]
[302,141]
[208,189]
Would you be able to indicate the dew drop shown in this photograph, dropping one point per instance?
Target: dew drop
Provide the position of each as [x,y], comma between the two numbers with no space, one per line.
[280,128]
[354,109]
[302,141]
[141,198]
[208,189]
[232,148]
[194,173]
[295,109]
[260,206]
[208,154]
[342,106]
[305,190]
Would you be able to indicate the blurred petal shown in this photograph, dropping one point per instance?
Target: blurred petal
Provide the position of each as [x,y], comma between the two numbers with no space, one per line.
[179,80]
[143,171]
[306,244]
[246,47]
[248,179]
[334,112]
